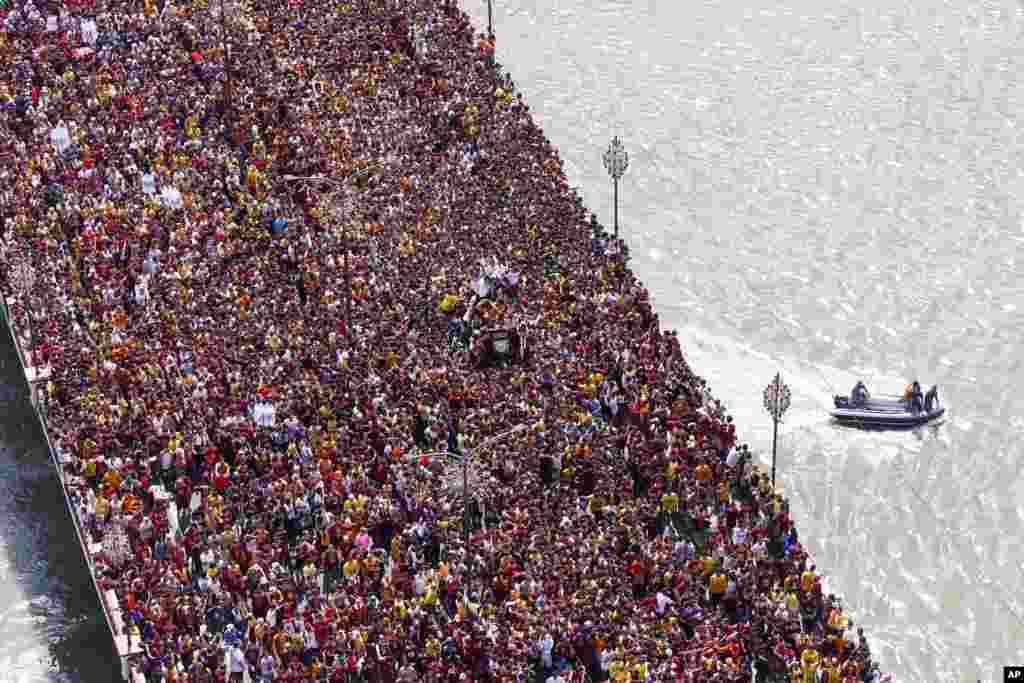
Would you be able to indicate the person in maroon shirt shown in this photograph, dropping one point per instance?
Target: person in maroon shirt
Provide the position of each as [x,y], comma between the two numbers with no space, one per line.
[338,673]
[260,602]
[732,515]
[322,629]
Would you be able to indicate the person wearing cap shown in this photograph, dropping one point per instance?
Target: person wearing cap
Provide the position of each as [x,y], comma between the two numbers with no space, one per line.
[717,586]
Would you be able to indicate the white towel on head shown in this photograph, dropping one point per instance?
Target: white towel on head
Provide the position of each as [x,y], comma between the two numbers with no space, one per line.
[90,33]
[170,196]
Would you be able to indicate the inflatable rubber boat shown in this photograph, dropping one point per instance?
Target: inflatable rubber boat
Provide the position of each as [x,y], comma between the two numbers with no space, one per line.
[887,412]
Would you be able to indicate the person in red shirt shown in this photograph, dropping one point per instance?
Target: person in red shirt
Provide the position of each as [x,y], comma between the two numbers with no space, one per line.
[322,629]
[338,674]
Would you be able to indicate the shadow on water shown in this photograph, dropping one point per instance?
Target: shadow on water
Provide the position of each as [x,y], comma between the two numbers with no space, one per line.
[51,624]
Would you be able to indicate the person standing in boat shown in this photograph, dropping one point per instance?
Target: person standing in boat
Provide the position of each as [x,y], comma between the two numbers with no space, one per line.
[912,394]
[859,395]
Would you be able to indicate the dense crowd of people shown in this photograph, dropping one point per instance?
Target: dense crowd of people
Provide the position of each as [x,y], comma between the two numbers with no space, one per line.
[417,423]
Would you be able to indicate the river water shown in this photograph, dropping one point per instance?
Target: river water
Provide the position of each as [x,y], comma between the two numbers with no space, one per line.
[832,190]
[828,190]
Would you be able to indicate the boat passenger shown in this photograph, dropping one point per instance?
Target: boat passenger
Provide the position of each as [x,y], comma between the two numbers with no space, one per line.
[859,395]
[916,398]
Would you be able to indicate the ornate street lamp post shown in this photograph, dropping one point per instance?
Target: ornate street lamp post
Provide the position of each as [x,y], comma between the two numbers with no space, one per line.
[490,24]
[465,462]
[776,402]
[465,477]
[616,161]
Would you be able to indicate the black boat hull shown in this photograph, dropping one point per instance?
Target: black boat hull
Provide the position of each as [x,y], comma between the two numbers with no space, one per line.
[883,413]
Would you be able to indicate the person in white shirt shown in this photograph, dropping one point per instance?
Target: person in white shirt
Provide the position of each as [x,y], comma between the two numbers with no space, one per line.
[268,668]
[60,136]
[237,665]
[662,602]
[546,647]
[733,458]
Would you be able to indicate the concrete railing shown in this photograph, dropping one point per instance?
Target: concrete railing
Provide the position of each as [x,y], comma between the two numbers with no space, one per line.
[127,651]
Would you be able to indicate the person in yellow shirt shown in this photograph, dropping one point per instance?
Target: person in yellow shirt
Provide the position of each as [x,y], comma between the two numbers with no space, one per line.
[792,605]
[706,566]
[807,580]
[809,662]
[252,176]
[350,568]
[448,302]
[830,669]
[717,586]
[102,508]
[112,478]
[361,502]
[837,621]
[281,644]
